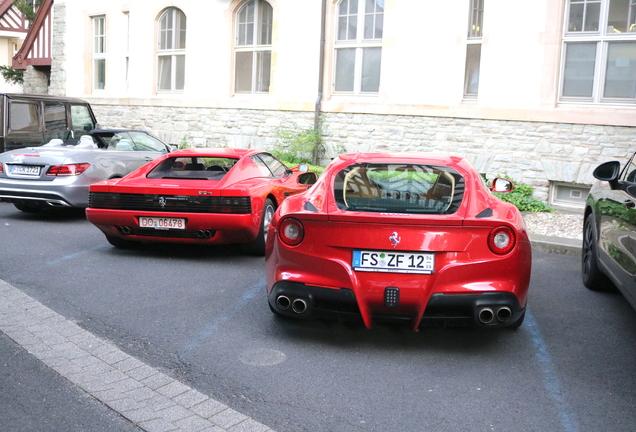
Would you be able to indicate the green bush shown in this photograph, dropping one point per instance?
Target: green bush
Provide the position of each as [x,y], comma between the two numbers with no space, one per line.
[13,76]
[298,146]
[521,197]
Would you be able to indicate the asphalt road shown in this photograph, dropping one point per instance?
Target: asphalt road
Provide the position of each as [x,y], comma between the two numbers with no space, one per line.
[200,315]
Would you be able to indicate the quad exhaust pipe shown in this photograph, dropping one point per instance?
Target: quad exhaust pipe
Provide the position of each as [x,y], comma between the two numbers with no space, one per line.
[298,305]
[124,229]
[204,234]
[487,315]
[283,302]
[504,314]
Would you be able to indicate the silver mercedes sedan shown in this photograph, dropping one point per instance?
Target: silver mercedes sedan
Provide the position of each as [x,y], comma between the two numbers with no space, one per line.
[58,174]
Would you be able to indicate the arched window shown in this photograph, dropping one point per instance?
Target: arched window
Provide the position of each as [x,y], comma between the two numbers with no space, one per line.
[253,52]
[171,50]
[358,46]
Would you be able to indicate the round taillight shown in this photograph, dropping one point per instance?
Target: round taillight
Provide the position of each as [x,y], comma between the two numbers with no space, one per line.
[291,231]
[502,240]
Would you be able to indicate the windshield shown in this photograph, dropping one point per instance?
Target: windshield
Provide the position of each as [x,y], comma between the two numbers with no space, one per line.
[193,167]
[399,188]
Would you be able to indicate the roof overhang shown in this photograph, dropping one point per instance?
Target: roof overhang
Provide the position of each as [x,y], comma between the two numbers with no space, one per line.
[36,49]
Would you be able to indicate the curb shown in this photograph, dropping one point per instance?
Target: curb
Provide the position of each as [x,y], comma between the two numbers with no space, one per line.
[556,245]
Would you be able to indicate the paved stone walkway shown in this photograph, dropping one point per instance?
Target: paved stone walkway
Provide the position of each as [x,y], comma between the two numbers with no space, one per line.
[148,398]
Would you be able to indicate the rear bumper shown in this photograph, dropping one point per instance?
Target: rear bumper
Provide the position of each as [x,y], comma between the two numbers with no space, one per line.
[490,309]
[201,228]
[54,193]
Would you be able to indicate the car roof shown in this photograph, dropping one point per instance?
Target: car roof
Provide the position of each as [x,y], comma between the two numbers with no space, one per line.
[114,131]
[41,97]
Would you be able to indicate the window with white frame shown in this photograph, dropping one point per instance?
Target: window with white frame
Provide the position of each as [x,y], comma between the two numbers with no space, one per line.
[473,49]
[253,47]
[99,52]
[127,66]
[171,51]
[358,46]
[599,55]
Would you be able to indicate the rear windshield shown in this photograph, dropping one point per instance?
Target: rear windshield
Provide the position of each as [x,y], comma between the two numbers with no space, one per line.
[399,188]
[193,167]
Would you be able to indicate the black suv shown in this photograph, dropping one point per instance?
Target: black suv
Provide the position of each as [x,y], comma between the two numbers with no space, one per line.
[609,230]
[32,120]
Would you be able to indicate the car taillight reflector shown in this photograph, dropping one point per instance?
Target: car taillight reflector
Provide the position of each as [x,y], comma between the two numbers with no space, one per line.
[291,231]
[67,170]
[502,240]
[1,168]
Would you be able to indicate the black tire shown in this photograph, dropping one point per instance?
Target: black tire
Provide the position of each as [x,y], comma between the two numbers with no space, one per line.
[28,206]
[593,277]
[257,247]
[120,243]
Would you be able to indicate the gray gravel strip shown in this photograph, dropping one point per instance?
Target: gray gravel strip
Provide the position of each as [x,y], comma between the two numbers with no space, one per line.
[564,225]
[556,232]
[148,398]
[559,233]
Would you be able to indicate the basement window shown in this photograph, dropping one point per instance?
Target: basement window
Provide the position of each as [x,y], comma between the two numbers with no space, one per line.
[568,195]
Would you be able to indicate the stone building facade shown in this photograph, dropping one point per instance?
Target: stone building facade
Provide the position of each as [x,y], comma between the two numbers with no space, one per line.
[57,84]
[536,153]
[526,122]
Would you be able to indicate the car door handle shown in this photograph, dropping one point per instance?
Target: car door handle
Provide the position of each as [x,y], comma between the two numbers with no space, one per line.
[629,204]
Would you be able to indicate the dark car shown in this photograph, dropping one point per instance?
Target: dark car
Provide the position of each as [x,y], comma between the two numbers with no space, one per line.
[28,120]
[609,231]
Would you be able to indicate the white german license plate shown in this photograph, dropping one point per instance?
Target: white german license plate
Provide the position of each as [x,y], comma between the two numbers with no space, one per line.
[31,170]
[164,223]
[394,262]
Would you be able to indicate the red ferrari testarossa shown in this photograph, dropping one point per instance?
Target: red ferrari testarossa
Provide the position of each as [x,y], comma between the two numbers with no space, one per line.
[400,236]
[197,195]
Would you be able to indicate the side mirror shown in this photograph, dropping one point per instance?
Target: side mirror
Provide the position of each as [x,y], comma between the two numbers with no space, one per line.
[300,168]
[307,178]
[501,185]
[608,171]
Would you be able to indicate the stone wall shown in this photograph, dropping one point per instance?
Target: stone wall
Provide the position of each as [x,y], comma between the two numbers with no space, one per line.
[35,81]
[58,51]
[528,152]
